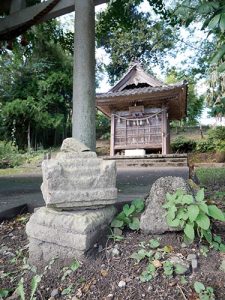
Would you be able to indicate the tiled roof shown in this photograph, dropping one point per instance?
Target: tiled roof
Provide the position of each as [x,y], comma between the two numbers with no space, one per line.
[138,91]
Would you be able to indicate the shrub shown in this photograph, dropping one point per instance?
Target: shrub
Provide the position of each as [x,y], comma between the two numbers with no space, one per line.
[216,134]
[211,176]
[183,145]
[205,146]
[9,155]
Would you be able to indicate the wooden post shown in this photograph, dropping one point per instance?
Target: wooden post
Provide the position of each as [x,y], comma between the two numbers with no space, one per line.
[112,138]
[165,132]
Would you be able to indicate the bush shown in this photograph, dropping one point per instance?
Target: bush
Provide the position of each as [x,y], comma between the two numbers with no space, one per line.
[183,145]
[102,125]
[211,176]
[216,134]
[9,155]
[205,146]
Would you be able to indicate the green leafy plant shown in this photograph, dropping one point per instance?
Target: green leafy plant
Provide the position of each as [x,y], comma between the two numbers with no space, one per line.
[148,274]
[204,293]
[34,285]
[183,145]
[129,216]
[168,268]
[4,293]
[193,215]
[141,254]
[72,268]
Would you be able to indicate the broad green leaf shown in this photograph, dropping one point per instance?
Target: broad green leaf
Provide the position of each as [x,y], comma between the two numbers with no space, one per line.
[214,21]
[217,238]
[187,199]
[121,216]
[135,224]
[221,68]
[203,207]
[154,243]
[208,235]
[172,223]
[20,289]
[193,212]
[203,221]
[145,276]
[75,265]
[200,195]
[219,54]
[171,212]
[222,22]
[182,214]
[34,284]
[151,268]
[117,223]
[216,213]
[222,247]
[3,293]
[199,287]
[139,205]
[189,231]
[180,269]
[128,210]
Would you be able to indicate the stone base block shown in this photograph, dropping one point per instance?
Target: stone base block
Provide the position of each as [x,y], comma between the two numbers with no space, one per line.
[65,234]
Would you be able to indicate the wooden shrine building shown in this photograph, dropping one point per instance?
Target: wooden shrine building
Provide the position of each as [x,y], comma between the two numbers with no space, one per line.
[140,107]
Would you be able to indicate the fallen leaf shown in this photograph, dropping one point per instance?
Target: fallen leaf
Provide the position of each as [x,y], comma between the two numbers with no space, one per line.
[104,273]
[156,263]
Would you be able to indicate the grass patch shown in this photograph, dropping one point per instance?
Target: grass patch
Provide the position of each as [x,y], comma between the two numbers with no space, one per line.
[211,176]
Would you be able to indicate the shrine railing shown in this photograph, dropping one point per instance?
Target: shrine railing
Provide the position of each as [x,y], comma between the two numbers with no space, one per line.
[138,131]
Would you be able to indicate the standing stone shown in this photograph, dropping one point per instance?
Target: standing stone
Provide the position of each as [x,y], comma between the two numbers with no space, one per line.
[79,190]
[153,219]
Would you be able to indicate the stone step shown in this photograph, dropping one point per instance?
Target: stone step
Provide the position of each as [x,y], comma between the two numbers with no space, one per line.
[151,161]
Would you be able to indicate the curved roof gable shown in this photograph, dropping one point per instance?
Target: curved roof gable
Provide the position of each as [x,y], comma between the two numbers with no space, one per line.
[136,76]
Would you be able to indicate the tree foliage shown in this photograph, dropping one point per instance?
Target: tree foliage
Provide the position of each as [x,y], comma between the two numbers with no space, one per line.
[36,88]
[127,34]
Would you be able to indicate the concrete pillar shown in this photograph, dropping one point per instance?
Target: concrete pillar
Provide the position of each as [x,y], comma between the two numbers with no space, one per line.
[84,74]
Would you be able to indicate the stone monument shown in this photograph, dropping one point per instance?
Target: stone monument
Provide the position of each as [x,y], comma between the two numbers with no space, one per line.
[153,219]
[79,192]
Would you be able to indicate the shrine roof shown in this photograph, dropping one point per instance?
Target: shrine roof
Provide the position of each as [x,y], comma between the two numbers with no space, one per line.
[139,91]
[135,76]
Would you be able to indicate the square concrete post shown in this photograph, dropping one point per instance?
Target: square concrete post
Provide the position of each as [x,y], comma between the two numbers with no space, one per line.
[84,74]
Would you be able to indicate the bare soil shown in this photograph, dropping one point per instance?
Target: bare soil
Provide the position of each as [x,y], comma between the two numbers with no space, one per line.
[99,275]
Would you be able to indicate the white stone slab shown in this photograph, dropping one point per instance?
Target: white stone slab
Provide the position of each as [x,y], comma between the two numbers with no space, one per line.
[135,152]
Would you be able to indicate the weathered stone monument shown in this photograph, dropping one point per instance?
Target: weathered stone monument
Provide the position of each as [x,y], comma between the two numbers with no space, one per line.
[153,219]
[79,191]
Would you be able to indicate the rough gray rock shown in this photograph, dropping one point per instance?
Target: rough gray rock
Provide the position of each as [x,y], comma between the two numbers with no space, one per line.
[153,219]
[78,179]
[73,145]
[65,234]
